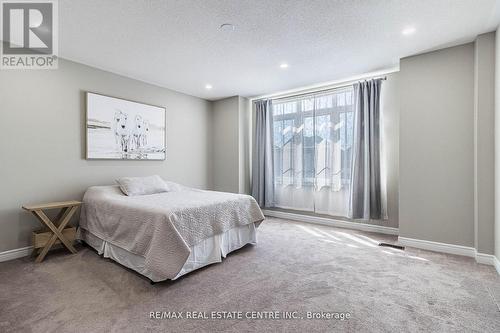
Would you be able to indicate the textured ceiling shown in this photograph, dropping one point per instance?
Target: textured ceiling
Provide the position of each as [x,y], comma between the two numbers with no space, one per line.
[178,44]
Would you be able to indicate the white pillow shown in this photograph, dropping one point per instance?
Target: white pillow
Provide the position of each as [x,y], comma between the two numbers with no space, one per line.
[174,187]
[132,186]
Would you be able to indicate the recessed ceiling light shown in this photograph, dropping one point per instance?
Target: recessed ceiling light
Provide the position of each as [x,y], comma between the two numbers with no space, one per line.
[284,65]
[408,31]
[227,27]
[208,86]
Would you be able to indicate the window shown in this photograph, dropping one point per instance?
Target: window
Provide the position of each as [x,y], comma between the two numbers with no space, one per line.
[312,139]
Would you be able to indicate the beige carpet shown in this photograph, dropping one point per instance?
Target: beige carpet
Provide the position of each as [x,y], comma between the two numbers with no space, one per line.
[295,267]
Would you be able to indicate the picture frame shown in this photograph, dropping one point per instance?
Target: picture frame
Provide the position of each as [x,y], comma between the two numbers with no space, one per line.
[122,129]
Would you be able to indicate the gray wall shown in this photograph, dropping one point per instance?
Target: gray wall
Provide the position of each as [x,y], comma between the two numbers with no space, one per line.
[484,141]
[225,145]
[42,140]
[231,148]
[245,144]
[390,146]
[436,153]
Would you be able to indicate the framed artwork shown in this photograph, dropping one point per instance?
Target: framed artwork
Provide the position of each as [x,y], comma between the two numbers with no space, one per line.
[119,129]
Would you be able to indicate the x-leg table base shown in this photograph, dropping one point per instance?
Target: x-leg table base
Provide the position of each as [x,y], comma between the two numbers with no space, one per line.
[68,209]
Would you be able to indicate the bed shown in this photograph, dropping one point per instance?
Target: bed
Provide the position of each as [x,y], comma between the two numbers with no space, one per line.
[166,235]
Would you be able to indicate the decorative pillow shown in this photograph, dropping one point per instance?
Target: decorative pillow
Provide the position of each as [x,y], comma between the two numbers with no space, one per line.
[132,186]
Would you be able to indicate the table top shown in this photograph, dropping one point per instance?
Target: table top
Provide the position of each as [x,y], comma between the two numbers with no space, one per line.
[53,205]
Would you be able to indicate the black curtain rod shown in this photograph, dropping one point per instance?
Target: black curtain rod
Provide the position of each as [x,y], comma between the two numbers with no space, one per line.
[314,92]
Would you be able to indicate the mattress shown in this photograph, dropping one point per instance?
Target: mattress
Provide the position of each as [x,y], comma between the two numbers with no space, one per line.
[209,251]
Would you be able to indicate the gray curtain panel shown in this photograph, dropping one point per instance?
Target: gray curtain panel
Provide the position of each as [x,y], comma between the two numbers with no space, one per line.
[366,192]
[262,163]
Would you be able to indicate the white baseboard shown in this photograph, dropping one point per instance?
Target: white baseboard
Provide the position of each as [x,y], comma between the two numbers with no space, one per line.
[496,263]
[437,247]
[16,253]
[332,222]
[481,258]
[486,259]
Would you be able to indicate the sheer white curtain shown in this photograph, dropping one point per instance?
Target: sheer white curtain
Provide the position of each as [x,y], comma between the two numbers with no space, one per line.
[312,150]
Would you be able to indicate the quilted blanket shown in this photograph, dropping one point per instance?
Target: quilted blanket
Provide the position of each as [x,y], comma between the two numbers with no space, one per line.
[162,227]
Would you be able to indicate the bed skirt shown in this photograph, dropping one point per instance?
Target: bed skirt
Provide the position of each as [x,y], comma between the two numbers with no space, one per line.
[209,251]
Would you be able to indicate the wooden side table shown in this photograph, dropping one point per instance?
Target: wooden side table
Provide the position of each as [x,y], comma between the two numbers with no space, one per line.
[57,228]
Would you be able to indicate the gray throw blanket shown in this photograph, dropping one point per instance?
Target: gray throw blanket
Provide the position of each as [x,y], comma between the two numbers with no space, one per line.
[162,227]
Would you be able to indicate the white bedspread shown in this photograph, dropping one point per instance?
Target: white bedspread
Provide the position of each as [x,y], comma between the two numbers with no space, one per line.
[162,227]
